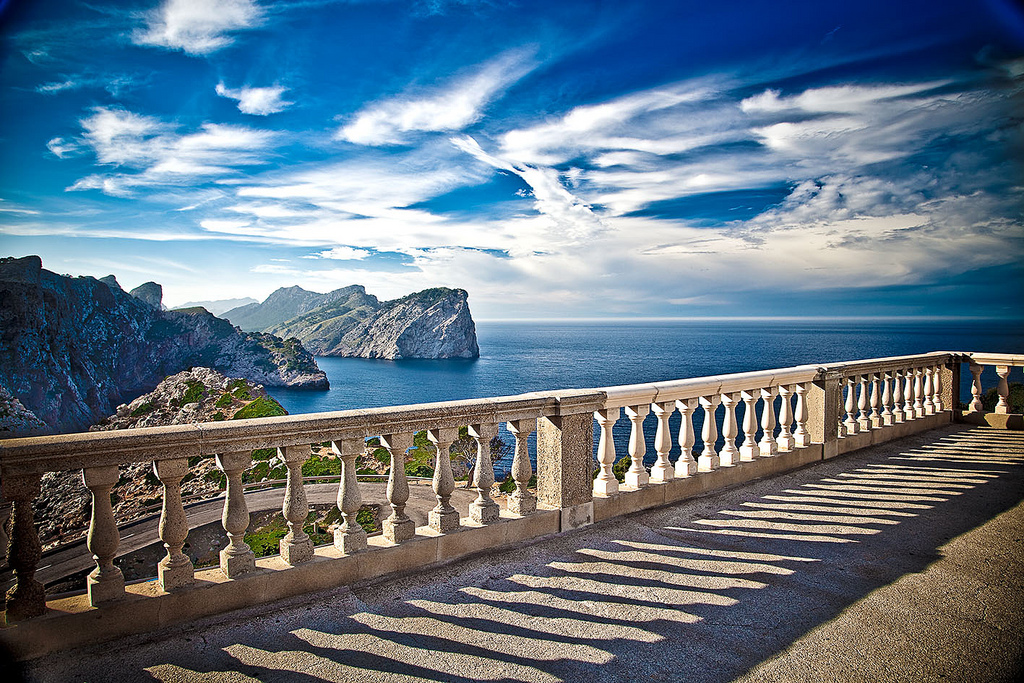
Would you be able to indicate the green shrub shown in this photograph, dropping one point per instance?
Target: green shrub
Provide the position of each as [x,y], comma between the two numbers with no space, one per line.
[264,406]
[620,467]
[1015,399]
[224,401]
[194,393]
[218,417]
[319,467]
[142,409]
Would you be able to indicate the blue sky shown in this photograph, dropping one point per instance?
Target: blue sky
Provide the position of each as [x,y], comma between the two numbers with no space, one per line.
[555,159]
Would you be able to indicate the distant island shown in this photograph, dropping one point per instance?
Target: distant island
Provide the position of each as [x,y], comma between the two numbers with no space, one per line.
[434,323]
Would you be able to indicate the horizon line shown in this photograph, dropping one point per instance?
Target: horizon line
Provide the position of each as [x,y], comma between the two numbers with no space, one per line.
[760,318]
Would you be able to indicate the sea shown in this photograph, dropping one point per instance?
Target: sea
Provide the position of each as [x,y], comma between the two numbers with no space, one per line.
[522,356]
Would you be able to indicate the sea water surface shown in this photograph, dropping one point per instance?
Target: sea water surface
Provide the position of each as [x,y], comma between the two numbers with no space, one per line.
[517,357]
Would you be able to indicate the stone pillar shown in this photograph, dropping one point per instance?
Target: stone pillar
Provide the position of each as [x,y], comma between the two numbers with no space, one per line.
[708,460]
[662,471]
[937,402]
[522,502]
[296,546]
[686,466]
[851,424]
[876,401]
[398,527]
[175,570]
[863,414]
[729,456]
[951,385]
[237,558]
[768,447]
[605,484]
[636,475]
[887,415]
[976,392]
[918,393]
[749,450]
[929,407]
[785,439]
[444,518]
[106,582]
[565,446]
[1003,390]
[27,598]
[898,414]
[350,537]
[908,395]
[823,400]
[483,510]
[801,437]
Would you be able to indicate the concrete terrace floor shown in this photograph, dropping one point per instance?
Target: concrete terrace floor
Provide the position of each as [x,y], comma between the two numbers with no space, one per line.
[903,562]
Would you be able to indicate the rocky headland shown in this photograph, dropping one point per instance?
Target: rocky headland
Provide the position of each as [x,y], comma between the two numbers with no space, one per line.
[434,323]
[74,348]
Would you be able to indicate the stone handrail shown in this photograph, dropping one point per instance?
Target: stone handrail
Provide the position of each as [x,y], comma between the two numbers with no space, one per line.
[737,445]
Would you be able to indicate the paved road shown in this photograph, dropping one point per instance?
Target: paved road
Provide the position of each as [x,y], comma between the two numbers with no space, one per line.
[897,563]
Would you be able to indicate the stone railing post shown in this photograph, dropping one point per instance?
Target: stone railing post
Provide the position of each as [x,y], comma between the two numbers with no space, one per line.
[863,403]
[1003,390]
[708,460]
[636,475]
[929,407]
[445,518]
[851,424]
[876,401]
[237,558]
[175,570]
[522,502]
[908,395]
[887,416]
[823,401]
[106,582]
[950,373]
[686,466]
[296,546]
[729,456]
[976,405]
[605,483]
[27,598]
[785,438]
[398,527]
[483,510]
[918,393]
[768,447]
[749,450]
[661,470]
[937,402]
[565,443]
[898,413]
[349,537]
[801,437]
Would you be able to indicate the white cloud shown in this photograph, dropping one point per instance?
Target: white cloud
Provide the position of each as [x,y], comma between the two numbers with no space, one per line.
[448,108]
[342,254]
[197,27]
[61,148]
[256,101]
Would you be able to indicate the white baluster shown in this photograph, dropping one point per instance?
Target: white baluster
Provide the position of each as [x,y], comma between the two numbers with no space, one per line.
[175,570]
[908,394]
[398,527]
[522,502]
[785,439]
[605,483]
[349,537]
[876,401]
[976,405]
[749,450]
[106,582]
[636,475]
[918,393]
[887,415]
[28,597]
[708,460]
[686,466]
[483,510]
[662,470]
[729,455]
[1003,389]
[863,414]
[929,407]
[937,389]
[237,558]
[768,447]
[444,517]
[898,414]
[296,546]
[851,406]
[801,437]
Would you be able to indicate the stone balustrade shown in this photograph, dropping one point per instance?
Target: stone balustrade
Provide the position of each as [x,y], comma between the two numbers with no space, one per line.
[1002,363]
[731,428]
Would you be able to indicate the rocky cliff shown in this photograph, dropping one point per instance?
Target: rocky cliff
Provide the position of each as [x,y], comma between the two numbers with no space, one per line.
[71,349]
[434,323]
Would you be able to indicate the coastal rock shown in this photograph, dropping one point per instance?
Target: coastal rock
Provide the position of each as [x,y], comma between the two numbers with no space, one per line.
[149,292]
[73,348]
[16,419]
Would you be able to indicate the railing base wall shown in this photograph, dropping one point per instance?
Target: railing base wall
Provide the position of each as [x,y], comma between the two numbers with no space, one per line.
[899,430]
[70,622]
[998,420]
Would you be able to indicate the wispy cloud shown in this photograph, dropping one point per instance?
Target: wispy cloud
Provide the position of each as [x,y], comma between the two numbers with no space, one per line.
[256,101]
[450,107]
[340,254]
[197,27]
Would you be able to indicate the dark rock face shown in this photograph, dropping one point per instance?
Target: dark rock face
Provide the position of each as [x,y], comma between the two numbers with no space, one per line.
[149,292]
[435,323]
[72,349]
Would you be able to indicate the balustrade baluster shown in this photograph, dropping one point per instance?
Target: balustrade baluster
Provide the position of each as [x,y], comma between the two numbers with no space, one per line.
[296,546]
[662,470]
[686,466]
[918,393]
[605,483]
[785,438]
[175,570]
[749,450]
[444,517]
[898,413]
[767,447]
[349,537]
[976,405]
[1003,389]
[106,582]
[851,405]
[876,401]
[483,510]
[522,502]
[729,455]
[863,403]
[28,597]
[636,475]
[398,527]
[708,460]
[937,389]
[929,407]
[908,394]
[237,558]
[887,415]
[801,437]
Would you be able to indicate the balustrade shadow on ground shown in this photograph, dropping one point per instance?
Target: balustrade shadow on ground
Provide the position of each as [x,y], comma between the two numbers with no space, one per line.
[884,399]
[787,579]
